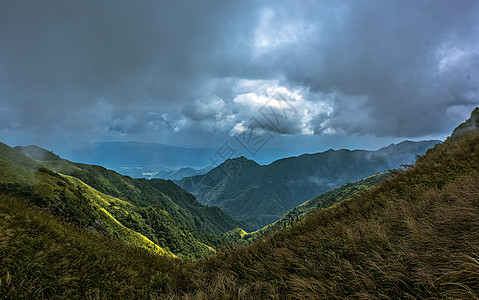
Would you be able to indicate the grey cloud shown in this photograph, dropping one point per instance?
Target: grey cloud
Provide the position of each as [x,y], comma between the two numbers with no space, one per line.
[57,54]
[387,51]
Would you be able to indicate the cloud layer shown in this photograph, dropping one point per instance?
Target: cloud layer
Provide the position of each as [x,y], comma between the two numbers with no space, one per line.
[127,69]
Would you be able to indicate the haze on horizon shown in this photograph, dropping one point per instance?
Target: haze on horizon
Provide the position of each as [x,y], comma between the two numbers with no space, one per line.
[343,74]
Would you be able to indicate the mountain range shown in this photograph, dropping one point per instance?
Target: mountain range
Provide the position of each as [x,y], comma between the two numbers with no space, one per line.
[261,194]
[139,160]
[410,233]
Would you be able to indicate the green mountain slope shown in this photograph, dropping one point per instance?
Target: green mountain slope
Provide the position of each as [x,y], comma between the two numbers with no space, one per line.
[260,195]
[149,227]
[143,193]
[325,200]
[25,178]
[43,257]
[152,222]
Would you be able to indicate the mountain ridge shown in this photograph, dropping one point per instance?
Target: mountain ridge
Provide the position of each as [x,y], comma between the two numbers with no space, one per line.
[261,194]
[141,192]
[135,212]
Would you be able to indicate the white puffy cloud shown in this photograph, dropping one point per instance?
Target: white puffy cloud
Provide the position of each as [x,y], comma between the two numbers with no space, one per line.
[276,108]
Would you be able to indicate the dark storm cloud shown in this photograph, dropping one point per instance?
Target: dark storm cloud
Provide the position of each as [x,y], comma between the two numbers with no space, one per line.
[391,52]
[64,54]
[108,47]
[385,68]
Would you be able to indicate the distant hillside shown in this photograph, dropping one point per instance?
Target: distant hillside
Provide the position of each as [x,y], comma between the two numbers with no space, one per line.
[135,158]
[260,195]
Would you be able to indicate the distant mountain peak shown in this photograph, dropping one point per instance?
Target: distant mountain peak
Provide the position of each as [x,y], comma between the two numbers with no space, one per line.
[408,143]
[240,159]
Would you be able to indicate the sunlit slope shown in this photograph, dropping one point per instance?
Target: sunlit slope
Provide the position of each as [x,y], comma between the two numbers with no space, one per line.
[110,224]
[43,257]
[150,228]
[149,223]
[143,193]
[29,180]
[37,185]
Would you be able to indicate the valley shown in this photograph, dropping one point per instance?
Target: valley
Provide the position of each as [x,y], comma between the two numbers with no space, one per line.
[260,194]
[378,236]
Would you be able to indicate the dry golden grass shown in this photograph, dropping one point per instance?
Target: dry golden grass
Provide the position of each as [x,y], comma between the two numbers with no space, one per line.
[416,236]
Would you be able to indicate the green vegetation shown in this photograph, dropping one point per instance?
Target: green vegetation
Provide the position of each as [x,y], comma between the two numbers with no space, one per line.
[27,179]
[412,237]
[259,195]
[325,200]
[43,257]
[143,193]
[147,227]
[152,222]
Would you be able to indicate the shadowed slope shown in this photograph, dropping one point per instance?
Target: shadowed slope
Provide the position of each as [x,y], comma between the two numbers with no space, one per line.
[260,195]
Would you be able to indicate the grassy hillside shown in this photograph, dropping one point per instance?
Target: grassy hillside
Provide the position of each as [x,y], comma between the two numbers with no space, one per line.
[184,208]
[413,237]
[260,195]
[27,179]
[207,218]
[150,228]
[43,257]
[151,222]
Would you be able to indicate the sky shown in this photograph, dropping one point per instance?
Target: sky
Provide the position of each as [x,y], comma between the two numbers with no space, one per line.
[303,76]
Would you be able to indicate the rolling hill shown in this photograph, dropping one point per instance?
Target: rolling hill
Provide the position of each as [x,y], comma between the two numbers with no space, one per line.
[261,194]
[177,202]
[135,212]
[26,178]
